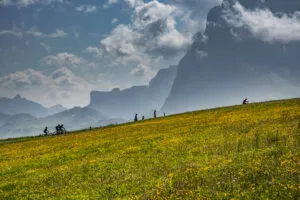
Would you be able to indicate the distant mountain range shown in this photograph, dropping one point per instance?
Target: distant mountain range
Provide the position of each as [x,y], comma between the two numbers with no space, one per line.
[138,99]
[21,117]
[19,105]
[72,119]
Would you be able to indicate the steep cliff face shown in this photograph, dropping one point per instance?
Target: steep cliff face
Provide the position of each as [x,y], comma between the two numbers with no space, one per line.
[138,99]
[239,56]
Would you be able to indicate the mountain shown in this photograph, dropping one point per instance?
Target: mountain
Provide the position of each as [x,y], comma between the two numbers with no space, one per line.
[75,118]
[72,119]
[18,105]
[17,125]
[137,99]
[3,119]
[240,56]
[56,109]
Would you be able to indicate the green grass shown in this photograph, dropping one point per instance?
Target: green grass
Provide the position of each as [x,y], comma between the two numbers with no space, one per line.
[240,152]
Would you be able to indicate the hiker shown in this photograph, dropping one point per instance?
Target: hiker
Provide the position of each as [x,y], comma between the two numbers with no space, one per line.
[46,130]
[245,101]
[136,117]
[143,118]
[154,114]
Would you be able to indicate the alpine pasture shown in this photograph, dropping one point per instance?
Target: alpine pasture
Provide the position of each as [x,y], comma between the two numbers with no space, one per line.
[239,152]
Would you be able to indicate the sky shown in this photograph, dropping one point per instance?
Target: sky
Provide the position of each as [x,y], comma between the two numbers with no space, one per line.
[57,51]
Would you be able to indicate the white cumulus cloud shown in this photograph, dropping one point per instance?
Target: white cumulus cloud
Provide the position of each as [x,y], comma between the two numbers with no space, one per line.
[263,24]
[66,59]
[61,86]
[86,8]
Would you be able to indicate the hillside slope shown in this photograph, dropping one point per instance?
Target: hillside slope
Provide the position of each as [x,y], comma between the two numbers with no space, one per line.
[241,152]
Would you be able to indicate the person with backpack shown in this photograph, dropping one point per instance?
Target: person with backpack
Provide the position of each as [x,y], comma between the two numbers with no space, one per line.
[46,132]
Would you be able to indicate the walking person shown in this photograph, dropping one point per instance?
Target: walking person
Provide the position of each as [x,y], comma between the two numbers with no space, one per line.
[46,132]
[136,117]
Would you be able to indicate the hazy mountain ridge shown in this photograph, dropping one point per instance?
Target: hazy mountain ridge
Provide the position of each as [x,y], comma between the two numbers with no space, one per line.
[116,106]
[18,105]
[72,119]
[137,99]
[228,63]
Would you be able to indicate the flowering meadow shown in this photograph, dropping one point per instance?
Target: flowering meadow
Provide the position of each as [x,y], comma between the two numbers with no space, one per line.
[240,152]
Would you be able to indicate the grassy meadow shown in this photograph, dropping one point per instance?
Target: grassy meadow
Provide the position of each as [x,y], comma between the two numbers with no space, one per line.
[239,152]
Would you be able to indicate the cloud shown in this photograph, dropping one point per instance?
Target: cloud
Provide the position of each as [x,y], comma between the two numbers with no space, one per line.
[194,12]
[156,29]
[25,3]
[11,32]
[147,13]
[61,86]
[157,36]
[110,2]
[33,32]
[151,35]
[19,80]
[63,59]
[57,34]
[46,47]
[93,50]
[86,8]
[131,3]
[264,24]
[151,40]
[114,20]
[142,71]
[121,42]
[66,59]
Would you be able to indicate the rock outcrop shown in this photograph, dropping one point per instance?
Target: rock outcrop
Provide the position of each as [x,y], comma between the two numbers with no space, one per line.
[137,99]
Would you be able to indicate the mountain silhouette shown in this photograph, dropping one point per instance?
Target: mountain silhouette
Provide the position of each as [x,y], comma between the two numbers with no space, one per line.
[18,105]
[137,99]
[228,62]
[72,119]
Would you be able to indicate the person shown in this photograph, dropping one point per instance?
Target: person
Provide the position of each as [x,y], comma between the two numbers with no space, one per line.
[57,129]
[46,130]
[245,101]
[154,114]
[136,118]
[143,118]
[164,114]
[62,129]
